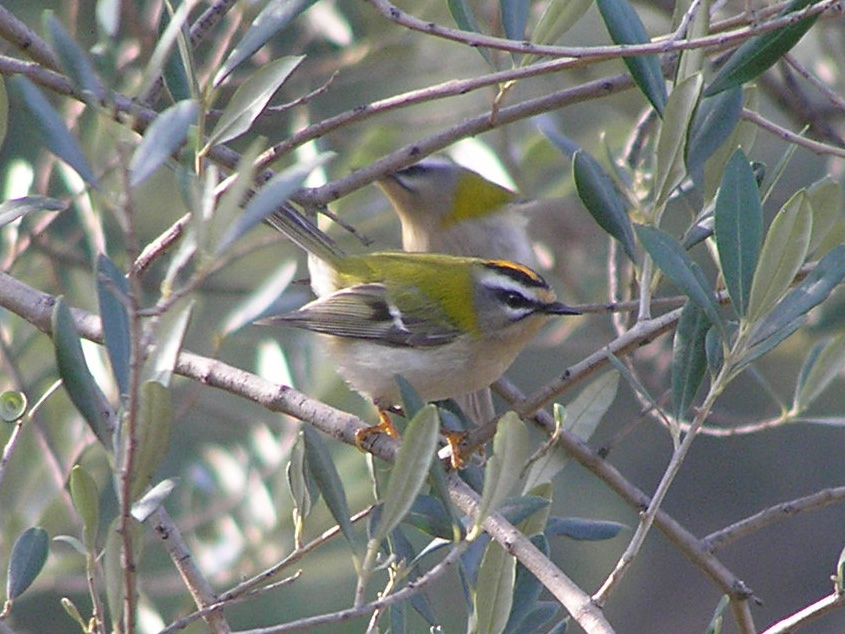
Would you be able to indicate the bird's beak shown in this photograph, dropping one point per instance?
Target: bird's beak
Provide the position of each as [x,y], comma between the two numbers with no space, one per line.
[559,308]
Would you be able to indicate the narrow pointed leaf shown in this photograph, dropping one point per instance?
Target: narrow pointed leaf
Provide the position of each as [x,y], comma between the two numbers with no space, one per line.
[258,302]
[514,15]
[251,98]
[672,143]
[463,17]
[670,257]
[527,588]
[29,554]
[297,478]
[77,378]
[581,417]
[4,112]
[558,17]
[583,529]
[86,501]
[714,122]
[411,401]
[274,17]
[809,293]
[817,375]
[783,253]
[715,625]
[325,475]
[410,470]
[53,131]
[11,210]
[169,334]
[152,435]
[152,500]
[165,135]
[826,202]
[761,52]
[539,619]
[494,590]
[689,358]
[596,190]
[112,296]
[625,27]
[269,197]
[743,136]
[739,229]
[73,58]
[510,451]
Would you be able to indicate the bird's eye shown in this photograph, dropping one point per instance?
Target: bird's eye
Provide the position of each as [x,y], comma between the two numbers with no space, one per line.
[513,299]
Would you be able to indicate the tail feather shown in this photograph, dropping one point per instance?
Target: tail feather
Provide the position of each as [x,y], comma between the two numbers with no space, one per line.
[305,234]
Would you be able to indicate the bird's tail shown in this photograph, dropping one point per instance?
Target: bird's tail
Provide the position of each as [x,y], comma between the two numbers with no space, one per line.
[305,234]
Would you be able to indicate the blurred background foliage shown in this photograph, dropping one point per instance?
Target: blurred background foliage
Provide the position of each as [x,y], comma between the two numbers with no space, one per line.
[232,500]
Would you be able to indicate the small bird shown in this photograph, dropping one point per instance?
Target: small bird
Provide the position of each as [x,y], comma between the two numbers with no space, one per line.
[449,325]
[446,208]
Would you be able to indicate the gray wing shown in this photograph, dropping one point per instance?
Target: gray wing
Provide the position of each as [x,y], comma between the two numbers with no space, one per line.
[366,312]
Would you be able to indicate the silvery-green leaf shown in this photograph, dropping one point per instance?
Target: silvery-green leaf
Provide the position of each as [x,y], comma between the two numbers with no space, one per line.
[13,209]
[152,500]
[152,434]
[672,142]
[86,499]
[275,16]
[73,58]
[783,253]
[251,98]
[164,136]
[52,130]
[494,590]
[826,202]
[29,554]
[689,358]
[825,366]
[410,470]
[739,229]
[583,529]
[510,451]
[112,297]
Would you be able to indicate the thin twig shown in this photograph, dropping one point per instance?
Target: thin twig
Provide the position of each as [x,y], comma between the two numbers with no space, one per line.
[792,137]
[812,612]
[196,583]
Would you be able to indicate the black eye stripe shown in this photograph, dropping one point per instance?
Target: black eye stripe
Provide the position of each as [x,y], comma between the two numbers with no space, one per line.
[514,299]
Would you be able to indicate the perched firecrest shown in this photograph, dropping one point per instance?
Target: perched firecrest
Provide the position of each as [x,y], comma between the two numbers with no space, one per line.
[449,325]
[447,208]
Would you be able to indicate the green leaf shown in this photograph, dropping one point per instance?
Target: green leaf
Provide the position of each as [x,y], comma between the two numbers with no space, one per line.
[739,229]
[539,619]
[52,130]
[297,477]
[582,417]
[411,401]
[86,501]
[152,434]
[671,145]
[29,554]
[463,17]
[692,60]
[275,16]
[715,625]
[152,500]
[670,257]
[112,296]
[4,112]
[784,251]
[596,190]
[625,27]
[714,122]
[759,53]
[269,198]
[164,46]
[165,135]
[169,334]
[12,405]
[409,472]
[494,590]
[325,475]
[108,16]
[558,17]
[74,372]
[826,202]
[73,58]
[527,588]
[514,14]
[258,301]
[510,451]
[428,515]
[689,358]
[583,529]
[251,98]
[13,209]
[809,293]
[823,365]
[743,136]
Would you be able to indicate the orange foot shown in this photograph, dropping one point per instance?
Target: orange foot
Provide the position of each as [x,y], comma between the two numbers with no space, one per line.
[455,438]
[384,425]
